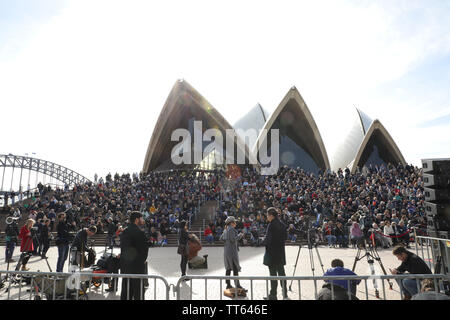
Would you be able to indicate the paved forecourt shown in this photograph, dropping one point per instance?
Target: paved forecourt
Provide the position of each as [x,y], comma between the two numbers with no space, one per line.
[165,262]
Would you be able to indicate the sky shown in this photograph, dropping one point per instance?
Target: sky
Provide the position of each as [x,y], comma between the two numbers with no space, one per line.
[82,82]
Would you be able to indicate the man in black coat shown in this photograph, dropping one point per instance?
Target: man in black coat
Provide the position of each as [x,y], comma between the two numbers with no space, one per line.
[133,256]
[275,256]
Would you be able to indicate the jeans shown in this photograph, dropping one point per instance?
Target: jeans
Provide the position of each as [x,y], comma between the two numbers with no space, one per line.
[10,245]
[277,270]
[210,238]
[63,252]
[409,286]
[331,239]
[342,240]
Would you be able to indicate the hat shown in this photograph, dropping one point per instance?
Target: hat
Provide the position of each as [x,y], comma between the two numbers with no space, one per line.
[229,220]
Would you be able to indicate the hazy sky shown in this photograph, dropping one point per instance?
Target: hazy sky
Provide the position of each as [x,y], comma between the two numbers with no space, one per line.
[82,82]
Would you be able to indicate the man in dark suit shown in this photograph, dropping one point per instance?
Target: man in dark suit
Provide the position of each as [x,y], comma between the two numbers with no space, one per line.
[275,256]
[133,256]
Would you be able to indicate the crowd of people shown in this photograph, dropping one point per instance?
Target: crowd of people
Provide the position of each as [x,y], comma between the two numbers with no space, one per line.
[380,204]
[336,208]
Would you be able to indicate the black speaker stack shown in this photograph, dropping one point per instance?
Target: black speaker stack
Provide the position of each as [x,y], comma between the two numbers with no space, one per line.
[436,178]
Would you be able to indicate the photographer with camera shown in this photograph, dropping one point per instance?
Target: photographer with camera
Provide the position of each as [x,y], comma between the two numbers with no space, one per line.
[80,246]
[45,238]
[62,241]
[26,246]
[11,232]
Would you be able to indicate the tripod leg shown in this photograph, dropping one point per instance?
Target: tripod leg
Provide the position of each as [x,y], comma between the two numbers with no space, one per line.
[320,260]
[295,266]
[357,258]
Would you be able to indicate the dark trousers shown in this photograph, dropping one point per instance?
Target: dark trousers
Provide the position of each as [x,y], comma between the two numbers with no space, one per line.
[23,259]
[10,245]
[235,273]
[277,270]
[183,264]
[45,245]
[36,245]
[132,289]
[63,252]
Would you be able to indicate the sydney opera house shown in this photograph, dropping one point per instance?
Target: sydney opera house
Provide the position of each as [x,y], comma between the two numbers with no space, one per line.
[299,142]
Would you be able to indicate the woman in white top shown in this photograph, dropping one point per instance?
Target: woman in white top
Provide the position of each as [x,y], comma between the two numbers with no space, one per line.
[388,231]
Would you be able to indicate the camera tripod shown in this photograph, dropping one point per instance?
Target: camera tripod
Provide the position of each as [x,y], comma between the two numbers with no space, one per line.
[311,244]
[371,253]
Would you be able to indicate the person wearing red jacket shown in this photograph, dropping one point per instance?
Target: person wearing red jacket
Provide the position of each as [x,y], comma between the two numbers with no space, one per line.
[26,246]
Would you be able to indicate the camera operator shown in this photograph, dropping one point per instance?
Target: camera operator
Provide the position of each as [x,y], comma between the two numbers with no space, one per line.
[80,245]
[26,246]
[112,228]
[36,234]
[45,238]
[11,232]
[63,239]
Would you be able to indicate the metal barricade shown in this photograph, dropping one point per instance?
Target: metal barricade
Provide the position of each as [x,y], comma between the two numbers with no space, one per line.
[435,252]
[20,285]
[306,288]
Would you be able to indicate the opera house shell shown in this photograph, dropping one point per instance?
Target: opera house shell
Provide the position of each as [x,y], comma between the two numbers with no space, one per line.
[367,143]
[299,141]
[182,108]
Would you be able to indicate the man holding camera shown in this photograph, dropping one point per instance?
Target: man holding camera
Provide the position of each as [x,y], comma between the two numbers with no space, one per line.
[275,256]
[80,245]
[63,240]
[12,231]
[45,238]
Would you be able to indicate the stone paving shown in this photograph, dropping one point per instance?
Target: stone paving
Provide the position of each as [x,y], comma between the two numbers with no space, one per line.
[165,262]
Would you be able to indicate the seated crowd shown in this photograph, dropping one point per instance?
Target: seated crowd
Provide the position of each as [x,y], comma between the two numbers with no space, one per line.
[338,208]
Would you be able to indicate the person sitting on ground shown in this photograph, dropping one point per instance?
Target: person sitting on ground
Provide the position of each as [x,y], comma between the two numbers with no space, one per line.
[194,261]
[411,263]
[337,269]
[428,292]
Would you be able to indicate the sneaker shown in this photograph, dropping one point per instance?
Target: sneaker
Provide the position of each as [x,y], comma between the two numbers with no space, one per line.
[270,297]
[25,269]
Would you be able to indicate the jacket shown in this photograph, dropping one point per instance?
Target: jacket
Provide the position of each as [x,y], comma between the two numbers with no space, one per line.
[27,240]
[274,241]
[414,265]
[133,250]
[230,251]
[63,235]
[339,271]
